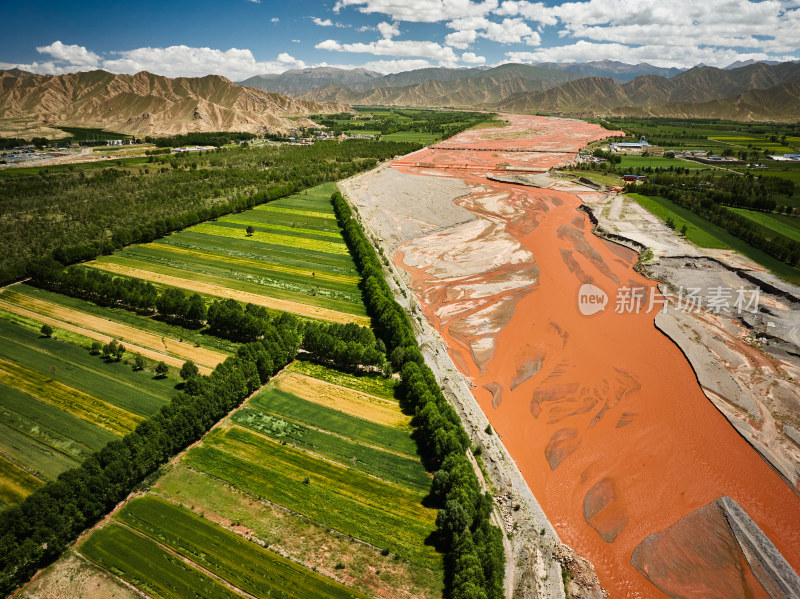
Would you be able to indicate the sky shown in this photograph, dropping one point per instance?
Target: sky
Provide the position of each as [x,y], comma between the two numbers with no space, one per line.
[242,38]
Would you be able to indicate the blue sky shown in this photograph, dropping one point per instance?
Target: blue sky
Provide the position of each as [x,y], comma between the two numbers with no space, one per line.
[241,38]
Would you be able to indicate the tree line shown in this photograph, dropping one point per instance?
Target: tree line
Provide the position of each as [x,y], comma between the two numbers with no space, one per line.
[74,216]
[347,346]
[473,547]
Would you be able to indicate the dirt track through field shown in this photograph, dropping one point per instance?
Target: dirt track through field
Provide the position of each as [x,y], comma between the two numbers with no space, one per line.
[103,338]
[226,292]
[125,333]
[349,401]
[603,414]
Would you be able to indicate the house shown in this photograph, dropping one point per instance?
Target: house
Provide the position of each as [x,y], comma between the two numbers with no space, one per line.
[629,179]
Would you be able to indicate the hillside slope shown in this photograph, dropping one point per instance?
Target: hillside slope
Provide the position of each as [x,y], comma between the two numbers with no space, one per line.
[753,92]
[146,104]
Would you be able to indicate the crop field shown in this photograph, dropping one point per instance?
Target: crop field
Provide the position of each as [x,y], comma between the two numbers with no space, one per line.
[349,401]
[372,460]
[296,409]
[59,404]
[379,386]
[225,554]
[366,568]
[122,316]
[156,347]
[145,564]
[788,226]
[706,234]
[293,259]
[367,508]
[660,161]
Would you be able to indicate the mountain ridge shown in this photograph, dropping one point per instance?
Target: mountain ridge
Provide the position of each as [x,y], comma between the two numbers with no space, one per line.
[147,104]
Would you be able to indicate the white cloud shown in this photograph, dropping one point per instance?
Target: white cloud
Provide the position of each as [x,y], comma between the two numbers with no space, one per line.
[274,19]
[184,61]
[471,58]
[384,66]
[531,11]
[663,56]
[388,30]
[75,55]
[322,22]
[296,41]
[509,31]
[390,47]
[461,39]
[421,11]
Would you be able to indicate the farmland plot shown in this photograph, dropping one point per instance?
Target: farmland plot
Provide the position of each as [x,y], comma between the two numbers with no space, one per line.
[287,255]
[59,404]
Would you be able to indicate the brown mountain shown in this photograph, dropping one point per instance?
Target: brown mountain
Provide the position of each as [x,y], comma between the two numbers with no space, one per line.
[474,88]
[753,92]
[146,104]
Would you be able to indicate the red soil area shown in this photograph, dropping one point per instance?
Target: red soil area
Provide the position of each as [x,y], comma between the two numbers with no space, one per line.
[602,413]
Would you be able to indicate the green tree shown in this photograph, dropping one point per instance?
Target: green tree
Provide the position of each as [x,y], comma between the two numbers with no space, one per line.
[46,330]
[683,230]
[162,369]
[138,362]
[250,230]
[188,370]
[97,347]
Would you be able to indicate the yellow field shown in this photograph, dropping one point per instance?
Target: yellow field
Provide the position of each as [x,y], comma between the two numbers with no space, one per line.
[302,243]
[15,483]
[305,272]
[174,353]
[349,401]
[226,292]
[321,233]
[77,403]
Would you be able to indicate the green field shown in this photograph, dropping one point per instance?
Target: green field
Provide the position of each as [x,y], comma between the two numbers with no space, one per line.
[788,226]
[375,572]
[380,513]
[380,386]
[630,162]
[144,564]
[388,466]
[706,234]
[295,409]
[238,561]
[295,253]
[59,404]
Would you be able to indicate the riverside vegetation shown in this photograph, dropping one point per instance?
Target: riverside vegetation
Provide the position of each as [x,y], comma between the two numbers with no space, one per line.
[352,446]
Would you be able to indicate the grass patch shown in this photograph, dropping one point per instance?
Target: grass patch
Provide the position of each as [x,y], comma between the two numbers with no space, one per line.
[706,234]
[788,226]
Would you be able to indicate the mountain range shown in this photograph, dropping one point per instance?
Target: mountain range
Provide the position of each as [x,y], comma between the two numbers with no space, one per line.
[145,104]
[743,91]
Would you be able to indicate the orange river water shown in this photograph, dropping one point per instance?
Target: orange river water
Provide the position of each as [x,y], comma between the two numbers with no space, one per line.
[602,413]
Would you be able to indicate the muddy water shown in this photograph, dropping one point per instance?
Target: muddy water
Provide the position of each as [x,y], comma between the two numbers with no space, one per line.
[602,413]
